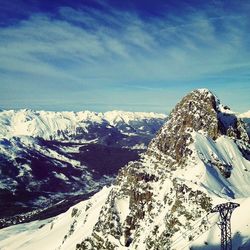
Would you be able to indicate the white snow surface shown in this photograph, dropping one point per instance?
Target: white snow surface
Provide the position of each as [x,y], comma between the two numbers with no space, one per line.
[50,234]
[45,124]
[225,151]
[245,114]
[240,224]
[122,206]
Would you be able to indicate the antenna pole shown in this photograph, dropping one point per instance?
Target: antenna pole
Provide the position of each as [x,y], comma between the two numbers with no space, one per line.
[225,210]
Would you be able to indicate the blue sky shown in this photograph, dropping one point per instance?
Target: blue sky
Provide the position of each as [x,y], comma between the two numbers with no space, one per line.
[126,55]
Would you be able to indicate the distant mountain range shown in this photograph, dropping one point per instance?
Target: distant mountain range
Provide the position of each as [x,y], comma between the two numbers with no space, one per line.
[78,126]
[47,157]
[246,118]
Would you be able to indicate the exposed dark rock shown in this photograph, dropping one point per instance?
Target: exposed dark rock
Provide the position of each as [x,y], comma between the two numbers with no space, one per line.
[198,111]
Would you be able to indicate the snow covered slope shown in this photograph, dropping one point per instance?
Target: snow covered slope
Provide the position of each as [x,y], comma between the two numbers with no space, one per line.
[245,114]
[198,159]
[246,118]
[68,228]
[54,232]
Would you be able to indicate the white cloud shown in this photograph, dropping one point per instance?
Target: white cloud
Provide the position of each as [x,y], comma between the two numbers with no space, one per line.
[164,46]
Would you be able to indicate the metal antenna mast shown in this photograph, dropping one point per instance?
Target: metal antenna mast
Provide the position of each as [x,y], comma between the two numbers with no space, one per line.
[225,211]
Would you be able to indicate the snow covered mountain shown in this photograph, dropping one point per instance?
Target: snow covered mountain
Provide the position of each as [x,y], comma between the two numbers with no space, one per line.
[46,157]
[246,118]
[199,158]
[78,126]
[245,114]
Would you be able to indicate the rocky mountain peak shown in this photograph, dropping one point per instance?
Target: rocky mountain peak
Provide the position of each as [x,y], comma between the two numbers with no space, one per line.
[199,111]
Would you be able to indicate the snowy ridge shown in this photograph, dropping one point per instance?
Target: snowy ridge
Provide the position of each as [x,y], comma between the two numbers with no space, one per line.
[199,158]
[47,124]
[246,118]
[224,152]
[245,114]
[113,117]
[54,232]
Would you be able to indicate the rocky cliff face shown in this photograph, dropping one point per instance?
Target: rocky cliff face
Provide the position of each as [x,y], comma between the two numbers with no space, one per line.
[199,111]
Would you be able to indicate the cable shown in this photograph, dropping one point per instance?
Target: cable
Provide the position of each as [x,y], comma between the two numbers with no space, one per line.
[179,239]
[196,222]
[197,237]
